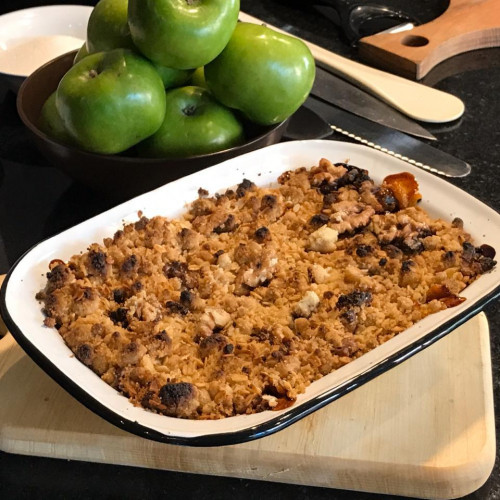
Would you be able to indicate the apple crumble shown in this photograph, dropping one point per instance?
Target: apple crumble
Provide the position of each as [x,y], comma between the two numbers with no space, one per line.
[237,306]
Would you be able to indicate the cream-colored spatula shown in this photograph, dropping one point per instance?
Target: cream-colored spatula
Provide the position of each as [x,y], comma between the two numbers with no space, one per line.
[415,100]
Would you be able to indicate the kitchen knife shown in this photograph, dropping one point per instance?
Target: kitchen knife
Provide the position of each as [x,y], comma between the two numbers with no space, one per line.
[389,141]
[337,91]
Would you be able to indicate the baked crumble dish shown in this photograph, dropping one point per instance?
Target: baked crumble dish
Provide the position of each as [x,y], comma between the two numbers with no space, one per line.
[253,294]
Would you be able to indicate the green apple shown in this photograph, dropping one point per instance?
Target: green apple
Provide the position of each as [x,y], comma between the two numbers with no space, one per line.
[107,28]
[50,122]
[265,74]
[82,52]
[110,101]
[195,123]
[198,78]
[182,34]
[173,77]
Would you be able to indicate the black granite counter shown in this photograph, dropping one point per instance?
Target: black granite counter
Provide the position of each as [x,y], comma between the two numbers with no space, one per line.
[37,200]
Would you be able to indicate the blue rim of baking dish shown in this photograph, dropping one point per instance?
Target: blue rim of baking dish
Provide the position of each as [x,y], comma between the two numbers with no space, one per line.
[247,434]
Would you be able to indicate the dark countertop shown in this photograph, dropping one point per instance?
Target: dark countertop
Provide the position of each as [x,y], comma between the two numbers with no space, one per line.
[36,201]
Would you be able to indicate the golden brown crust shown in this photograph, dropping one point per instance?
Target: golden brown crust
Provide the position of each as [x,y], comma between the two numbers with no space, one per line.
[255,293]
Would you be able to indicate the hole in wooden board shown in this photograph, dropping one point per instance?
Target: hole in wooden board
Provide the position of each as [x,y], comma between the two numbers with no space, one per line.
[414,41]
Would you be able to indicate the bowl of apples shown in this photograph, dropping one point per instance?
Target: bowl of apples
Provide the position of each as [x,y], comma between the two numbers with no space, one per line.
[125,115]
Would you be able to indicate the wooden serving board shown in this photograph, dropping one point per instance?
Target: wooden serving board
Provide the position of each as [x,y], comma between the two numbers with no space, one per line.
[425,428]
[466,25]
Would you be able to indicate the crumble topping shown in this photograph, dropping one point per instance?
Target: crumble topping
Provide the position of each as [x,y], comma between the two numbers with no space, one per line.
[253,294]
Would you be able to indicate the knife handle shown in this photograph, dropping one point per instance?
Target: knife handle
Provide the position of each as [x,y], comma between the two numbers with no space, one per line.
[466,25]
[413,99]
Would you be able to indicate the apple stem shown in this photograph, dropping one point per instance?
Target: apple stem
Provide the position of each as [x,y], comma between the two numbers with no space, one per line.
[93,73]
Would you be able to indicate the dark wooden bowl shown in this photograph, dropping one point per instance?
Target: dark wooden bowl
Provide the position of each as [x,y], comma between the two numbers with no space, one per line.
[118,175]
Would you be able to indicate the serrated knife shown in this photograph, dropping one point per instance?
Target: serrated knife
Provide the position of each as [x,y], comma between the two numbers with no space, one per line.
[388,141]
[345,95]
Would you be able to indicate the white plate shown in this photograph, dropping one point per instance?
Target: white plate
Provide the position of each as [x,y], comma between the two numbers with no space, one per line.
[25,26]
[24,318]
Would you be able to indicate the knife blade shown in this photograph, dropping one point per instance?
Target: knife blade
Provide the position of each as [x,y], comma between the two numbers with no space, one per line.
[389,141]
[345,95]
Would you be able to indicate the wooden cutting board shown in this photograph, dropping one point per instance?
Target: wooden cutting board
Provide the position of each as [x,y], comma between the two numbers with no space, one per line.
[466,25]
[424,429]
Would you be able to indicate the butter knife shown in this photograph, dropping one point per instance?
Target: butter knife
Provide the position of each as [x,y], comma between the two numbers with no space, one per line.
[388,141]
